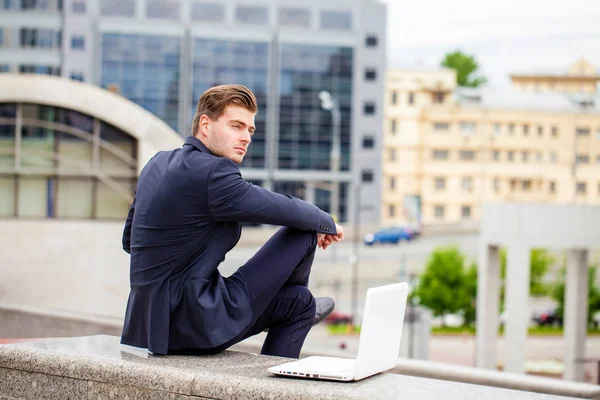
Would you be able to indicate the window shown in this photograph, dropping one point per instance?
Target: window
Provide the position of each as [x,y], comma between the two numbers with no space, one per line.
[392,183]
[441,126]
[78,7]
[77,43]
[467,184]
[294,17]
[540,130]
[368,142]
[496,155]
[393,155]
[367,175]
[439,212]
[553,158]
[4,68]
[526,130]
[554,132]
[497,129]
[371,75]
[525,156]
[583,159]
[465,212]
[1,37]
[163,9]
[392,210]
[467,128]
[336,20]
[511,129]
[510,155]
[40,38]
[39,69]
[440,154]
[598,159]
[438,97]
[369,108]
[526,185]
[411,100]
[540,156]
[122,8]
[552,187]
[440,183]
[582,131]
[371,41]
[496,185]
[467,155]
[581,187]
[207,12]
[393,126]
[252,15]
[77,76]
[394,97]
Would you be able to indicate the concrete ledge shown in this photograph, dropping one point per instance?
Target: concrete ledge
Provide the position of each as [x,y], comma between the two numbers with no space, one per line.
[457,373]
[99,367]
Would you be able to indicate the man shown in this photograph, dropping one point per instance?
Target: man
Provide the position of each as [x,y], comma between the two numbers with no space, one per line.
[187,215]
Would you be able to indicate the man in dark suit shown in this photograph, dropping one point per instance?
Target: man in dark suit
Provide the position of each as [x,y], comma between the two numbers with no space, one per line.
[187,215]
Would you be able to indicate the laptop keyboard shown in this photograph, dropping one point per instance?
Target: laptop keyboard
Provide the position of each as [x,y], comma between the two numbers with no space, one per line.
[325,364]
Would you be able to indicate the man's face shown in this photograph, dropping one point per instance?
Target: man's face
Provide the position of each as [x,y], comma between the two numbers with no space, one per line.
[230,135]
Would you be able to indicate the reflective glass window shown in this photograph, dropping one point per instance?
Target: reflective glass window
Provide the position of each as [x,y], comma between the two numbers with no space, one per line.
[109,202]
[74,197]
[77,42]
[219,62]
[305,128]
[163,9]
[4,68]
[35,196]
[252,15]
[7,134]
[7,195]
[293,17]
[123,8]
[145,69]
[208,12]
[79,7]
[336,20]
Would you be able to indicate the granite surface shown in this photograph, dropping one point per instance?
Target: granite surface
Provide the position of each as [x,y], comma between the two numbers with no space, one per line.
[99,367]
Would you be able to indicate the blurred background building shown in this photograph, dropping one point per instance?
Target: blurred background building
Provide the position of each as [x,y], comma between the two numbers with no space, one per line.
[163,54]
[447,150]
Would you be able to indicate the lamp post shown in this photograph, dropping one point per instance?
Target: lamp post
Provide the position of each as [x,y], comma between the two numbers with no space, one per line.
[330,103]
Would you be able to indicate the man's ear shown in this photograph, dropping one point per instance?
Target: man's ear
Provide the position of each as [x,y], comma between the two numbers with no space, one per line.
[204,127]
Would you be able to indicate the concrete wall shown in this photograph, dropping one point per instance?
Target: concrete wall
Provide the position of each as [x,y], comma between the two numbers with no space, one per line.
[77,267]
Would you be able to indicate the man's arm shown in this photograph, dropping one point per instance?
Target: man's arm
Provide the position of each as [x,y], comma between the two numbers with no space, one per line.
[127,229]
[231,198]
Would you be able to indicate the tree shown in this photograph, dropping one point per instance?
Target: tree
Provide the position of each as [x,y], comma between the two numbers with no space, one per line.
[471,287]
[465,66]
[558,294]
[443,285]
[540,263]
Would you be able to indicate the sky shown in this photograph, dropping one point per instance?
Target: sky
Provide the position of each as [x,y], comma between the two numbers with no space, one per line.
[504,36]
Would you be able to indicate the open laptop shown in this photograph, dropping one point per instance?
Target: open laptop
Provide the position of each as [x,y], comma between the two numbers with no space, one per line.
[378,346]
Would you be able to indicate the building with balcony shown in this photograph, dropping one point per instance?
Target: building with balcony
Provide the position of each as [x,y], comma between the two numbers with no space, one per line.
[447,150]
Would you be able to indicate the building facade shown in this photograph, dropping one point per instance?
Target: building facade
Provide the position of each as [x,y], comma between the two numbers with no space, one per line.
[448,150]
[582,78]
[162,54]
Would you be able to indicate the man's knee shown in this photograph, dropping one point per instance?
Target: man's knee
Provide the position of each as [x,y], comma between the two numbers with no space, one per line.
[305,303]
[306,238]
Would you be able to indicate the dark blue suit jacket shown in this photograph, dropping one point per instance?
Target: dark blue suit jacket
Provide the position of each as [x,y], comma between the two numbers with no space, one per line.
[186,216]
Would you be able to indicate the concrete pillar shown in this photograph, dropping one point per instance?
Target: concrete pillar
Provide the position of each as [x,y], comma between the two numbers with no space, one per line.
[309,192]
[488,288]
[576,310]
[516,300]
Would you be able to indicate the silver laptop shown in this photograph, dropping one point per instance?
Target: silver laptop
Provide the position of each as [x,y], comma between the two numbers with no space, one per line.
[378,347]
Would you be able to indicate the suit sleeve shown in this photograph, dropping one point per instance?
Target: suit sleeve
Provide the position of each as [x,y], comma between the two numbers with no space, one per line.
[231,198]
[127,229]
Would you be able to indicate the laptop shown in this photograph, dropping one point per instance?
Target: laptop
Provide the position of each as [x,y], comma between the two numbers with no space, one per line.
[378,347]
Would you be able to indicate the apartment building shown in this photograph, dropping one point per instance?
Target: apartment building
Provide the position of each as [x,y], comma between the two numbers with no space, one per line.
[447,149]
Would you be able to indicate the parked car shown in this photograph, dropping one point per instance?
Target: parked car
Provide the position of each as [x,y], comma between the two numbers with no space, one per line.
[547,317]
[391,235]
[338,318]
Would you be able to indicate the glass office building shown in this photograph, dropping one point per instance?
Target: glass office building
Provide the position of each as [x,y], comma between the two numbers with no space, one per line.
[163,54]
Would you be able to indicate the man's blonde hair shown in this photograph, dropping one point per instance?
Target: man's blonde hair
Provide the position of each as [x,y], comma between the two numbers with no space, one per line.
[213,102]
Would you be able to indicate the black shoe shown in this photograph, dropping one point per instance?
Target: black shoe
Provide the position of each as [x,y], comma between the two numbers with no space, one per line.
[325,306]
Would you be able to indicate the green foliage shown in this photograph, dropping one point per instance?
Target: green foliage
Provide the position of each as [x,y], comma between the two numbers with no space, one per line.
[465,66]
[540,263]
[558,293]
[471,288]
[444,286]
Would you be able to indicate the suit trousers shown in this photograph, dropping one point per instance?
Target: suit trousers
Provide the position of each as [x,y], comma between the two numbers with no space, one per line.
[276,280]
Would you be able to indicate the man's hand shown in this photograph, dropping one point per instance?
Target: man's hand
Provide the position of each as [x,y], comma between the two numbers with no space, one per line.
[324,240]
